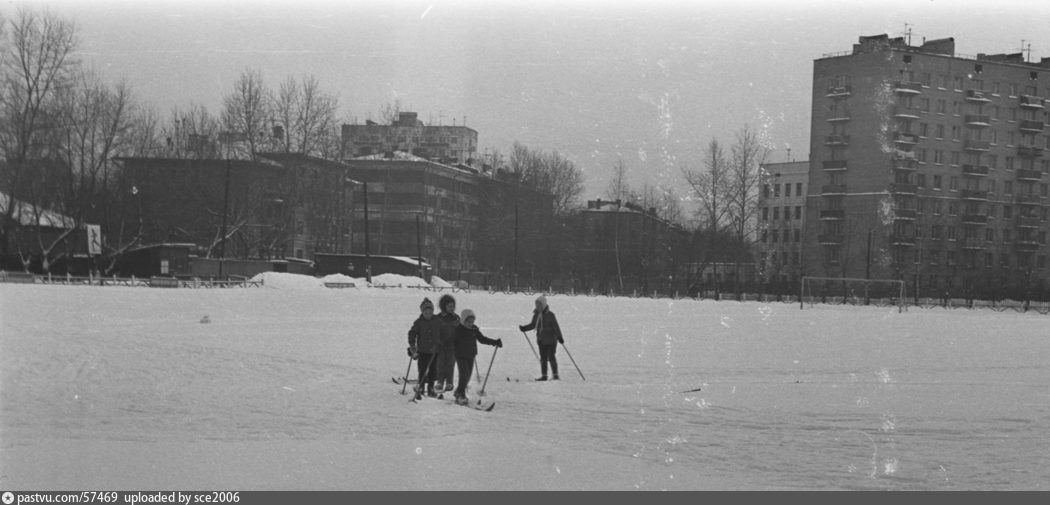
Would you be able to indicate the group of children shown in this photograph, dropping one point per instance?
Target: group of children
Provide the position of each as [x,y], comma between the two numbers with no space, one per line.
[445,341]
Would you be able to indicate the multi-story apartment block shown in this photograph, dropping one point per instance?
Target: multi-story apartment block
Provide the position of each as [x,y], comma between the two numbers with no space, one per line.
[781,205]
[447,144]
[930,167]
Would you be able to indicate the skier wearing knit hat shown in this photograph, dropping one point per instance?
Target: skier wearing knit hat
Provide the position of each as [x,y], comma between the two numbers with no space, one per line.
[548,335]
[424,342]
[467,335]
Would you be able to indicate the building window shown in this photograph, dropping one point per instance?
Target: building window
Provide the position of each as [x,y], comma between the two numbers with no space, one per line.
[958,83]
[787,190]
[989,234]
[1008,187]
[1008,212]
[798,235]
[776,190]
[924,130]
[765,213]
[955,133]
[955,158]
[920,180]
[942,106]
[798,188]
[798,209]
[765,190]
[940,132]
[953,183]
[776,213]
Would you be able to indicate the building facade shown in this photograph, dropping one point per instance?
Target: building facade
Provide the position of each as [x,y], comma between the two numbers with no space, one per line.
[930,167]
[781,206]
[623,243]
[447,144]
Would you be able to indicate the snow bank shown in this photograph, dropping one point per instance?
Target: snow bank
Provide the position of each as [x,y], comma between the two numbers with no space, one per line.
[282,280]
[438,282]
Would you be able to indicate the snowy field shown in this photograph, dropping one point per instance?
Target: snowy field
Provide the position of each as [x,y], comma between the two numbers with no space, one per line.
[289,387]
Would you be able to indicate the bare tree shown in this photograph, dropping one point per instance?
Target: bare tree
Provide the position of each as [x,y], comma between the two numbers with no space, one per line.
[391,112]
[748,154]
[307,116]
[711,187]
[192,133]
[246,112]
[36,62]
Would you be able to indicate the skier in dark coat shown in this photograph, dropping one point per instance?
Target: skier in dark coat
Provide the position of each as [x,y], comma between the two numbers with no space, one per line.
[424,342]
[445,363]
[467,336]
[548,336]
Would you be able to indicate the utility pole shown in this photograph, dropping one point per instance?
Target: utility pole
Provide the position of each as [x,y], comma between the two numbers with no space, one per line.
[225,211]
[368,255]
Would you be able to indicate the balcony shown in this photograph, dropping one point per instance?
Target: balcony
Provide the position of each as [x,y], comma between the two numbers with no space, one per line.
[1027,222]
[1029,199]
[839,91]
[1023,174]
[835,165]
[1029,151]
[904,112]
[833,189]
[903,240]
[839,117]
[971,243]
[977,145]
[903,155]
[978,120]
[977,219]
[905,214]
[831,215]
[973,95]
[899,164]
[902,188]
[906,138]
[975,170]
[1032,101]
[974,194]
[1030,126]
[836,140]
[908,88]
[1026,244]
[830,239]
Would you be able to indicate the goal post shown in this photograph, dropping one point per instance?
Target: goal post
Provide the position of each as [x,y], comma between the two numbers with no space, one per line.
[853,291]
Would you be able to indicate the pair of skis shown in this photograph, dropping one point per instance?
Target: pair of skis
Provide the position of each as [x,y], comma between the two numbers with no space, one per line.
[479,406]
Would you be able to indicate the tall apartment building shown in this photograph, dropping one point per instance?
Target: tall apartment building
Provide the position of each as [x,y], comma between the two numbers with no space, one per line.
[446,144]
[781,205]
[930,167]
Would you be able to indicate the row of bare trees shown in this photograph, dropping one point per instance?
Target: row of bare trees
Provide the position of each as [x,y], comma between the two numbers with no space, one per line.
[62,125]
[726,191]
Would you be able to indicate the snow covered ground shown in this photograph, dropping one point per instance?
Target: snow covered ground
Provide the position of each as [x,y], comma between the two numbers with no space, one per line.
[288,387]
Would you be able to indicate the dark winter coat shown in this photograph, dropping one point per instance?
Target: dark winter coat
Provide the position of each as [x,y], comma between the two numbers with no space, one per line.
[449,323]
[466,341]
[425,335]
[547,330]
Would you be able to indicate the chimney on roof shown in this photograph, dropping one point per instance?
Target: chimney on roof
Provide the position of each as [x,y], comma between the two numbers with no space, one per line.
[407,119]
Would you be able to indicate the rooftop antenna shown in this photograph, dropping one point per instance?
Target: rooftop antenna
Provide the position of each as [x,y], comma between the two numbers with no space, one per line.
[1026,47]
[789,154]
[907,32]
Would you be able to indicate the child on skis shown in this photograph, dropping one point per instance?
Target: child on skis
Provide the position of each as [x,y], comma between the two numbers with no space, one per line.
[424,343]
[446,359]
[467,336]
[548,336]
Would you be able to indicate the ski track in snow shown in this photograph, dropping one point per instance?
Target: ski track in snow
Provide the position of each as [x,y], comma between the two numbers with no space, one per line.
[825,398]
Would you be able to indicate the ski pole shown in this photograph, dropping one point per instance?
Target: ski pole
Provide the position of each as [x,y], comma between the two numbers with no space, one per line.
[405,387]
[573,361]
[487,372]
[477,371]
[534,353]
[425,376]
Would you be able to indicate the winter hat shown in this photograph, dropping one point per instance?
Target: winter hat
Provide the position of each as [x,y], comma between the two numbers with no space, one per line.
[427,304]
[466,314]
[542,300]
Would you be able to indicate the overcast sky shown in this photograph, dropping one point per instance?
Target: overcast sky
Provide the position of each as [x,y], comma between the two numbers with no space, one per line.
[646,82]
